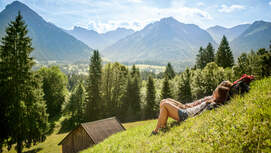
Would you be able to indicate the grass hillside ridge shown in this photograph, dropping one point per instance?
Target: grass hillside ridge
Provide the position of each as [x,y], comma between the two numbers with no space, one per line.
[243,125]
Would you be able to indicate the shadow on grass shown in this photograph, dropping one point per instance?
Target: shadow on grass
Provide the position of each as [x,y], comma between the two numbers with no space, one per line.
[33,150]
[171,125]
[52,122]
[67,125]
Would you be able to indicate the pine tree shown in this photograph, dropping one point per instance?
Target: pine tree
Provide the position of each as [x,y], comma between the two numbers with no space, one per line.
[166,92]
[77,103]
[131,102]
[209,54]
[169,72]
[107,85]
[135,71]
[127,99]
[184,90]
[224,57]
[136,98]
[264,62]
[200,64]
[94,101]
[151,107]
[119,77]
[24,118]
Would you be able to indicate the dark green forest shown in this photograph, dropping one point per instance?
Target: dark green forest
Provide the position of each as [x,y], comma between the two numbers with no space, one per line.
[32,100]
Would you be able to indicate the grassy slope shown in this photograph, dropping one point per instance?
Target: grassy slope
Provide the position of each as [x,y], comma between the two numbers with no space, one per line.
[241,126]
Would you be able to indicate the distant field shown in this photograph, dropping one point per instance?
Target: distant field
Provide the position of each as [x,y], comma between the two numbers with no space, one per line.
[151,68]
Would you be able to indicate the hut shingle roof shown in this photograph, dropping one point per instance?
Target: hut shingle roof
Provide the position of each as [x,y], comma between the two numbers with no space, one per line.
[101,129]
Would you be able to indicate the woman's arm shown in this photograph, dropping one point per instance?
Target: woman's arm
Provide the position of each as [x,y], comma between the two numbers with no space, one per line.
[176,103]
[208,99]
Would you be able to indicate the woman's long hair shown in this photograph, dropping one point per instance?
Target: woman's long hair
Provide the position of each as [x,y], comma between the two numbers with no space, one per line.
[221,93]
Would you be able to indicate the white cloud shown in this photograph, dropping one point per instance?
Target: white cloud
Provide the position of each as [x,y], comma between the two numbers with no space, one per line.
[229,9]
[135,1]
[106,15]
[146,15]
[269,3]
[137,17]
[200,4]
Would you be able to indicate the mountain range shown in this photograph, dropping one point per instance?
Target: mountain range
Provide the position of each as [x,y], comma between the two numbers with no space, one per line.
[257,35]
[166,40]
[217,32]
[49,41]
[99,40]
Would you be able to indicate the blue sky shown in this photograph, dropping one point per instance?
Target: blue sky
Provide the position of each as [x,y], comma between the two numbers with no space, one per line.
[106,15]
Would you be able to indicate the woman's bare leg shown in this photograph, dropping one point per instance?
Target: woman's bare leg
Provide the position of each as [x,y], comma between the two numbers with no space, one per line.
[161,103]
[166,110]
[173,102]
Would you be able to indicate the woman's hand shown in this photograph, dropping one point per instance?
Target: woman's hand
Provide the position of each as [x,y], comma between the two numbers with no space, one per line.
[209,101]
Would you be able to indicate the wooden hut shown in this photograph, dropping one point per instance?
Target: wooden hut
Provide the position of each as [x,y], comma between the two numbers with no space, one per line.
[90,133]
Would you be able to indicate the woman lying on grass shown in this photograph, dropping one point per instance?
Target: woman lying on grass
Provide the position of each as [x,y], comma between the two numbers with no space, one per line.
[180,112]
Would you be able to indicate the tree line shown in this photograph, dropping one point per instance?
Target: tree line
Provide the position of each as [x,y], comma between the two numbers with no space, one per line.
[31,101]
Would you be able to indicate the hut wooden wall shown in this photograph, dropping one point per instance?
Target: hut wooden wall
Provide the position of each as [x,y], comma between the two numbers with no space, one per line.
[76,141]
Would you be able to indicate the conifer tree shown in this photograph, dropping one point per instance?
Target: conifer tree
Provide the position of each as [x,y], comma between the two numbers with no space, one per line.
[77,103]
[166,92]
[131,104]
[127,99]
[209,54]
[23,110]
[169,72]
[184,90]
[264,62]
[94,100]
[224,57]
[151,107]
[135,71]
[200,63]
[136,98]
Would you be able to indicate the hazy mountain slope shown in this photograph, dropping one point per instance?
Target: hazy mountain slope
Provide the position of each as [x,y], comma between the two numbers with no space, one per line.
[116,35]
[49,41]
[164,40]
[217,32]
[89,37]
[258,35]
[99,41]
